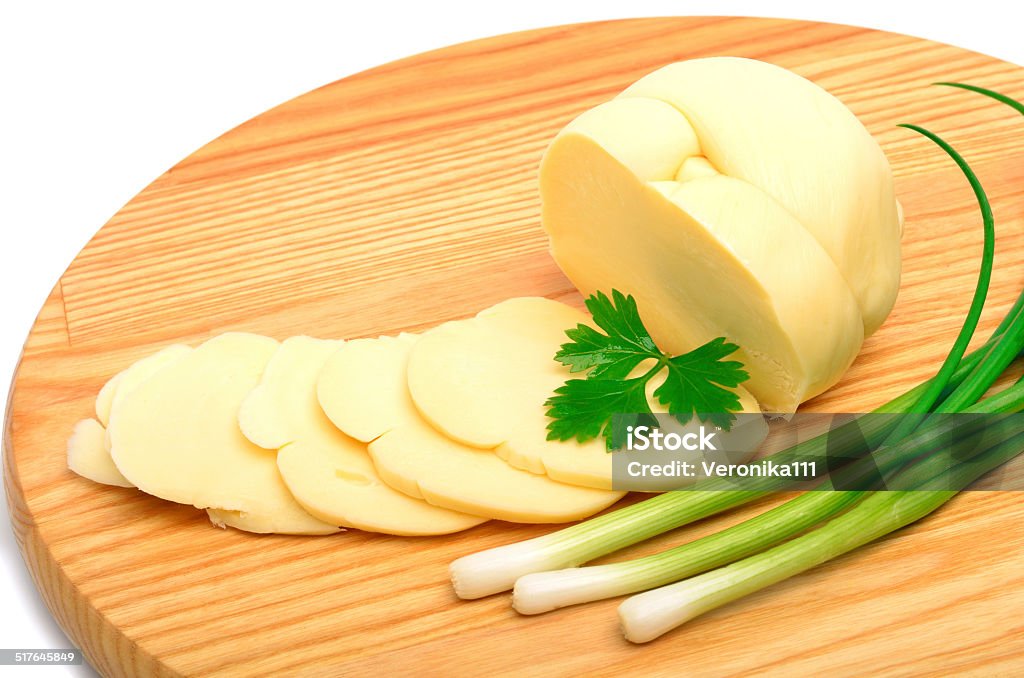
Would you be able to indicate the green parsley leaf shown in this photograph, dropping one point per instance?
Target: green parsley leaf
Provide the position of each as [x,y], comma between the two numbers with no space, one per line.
[697,383]
[583,408]
[614,354]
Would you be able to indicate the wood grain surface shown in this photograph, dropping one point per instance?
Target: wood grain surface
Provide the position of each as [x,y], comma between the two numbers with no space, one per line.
[405,196]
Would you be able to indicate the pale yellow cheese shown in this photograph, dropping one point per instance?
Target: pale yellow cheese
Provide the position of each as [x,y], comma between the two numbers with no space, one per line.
[731,198]
[363,390]
[714,257]
[278,411]
[105,398]
[478,379]
[694,167]
[88,447]
[176,436]
[799,145]
[127,379]
[88,455]
[484,381]
[329,473]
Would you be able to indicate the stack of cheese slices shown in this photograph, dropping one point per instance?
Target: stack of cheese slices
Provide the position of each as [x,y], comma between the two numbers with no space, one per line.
[409,434]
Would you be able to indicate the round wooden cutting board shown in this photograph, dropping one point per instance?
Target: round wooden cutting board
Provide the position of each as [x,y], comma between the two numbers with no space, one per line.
[406,196]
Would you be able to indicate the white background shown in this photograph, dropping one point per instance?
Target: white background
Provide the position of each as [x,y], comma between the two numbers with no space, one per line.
[98,98]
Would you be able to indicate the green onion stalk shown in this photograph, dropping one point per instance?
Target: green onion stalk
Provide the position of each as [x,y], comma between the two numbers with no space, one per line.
[648,615]
[926,401]
[1012,103]
[545,591]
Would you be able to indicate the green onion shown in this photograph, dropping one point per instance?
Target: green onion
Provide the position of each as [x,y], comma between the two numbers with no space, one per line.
[987,92]
[997,357]
[495,570]
[648,615]
[545,591]
[935,387]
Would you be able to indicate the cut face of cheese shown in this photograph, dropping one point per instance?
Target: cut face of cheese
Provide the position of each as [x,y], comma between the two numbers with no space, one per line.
[88,455]
[363,390]
[796,190]
[653,151]
[176,436]
[709,257]
[484,381]
[802,147]
[329,473]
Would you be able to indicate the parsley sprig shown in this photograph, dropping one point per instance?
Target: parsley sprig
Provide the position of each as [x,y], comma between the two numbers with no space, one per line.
[697,383]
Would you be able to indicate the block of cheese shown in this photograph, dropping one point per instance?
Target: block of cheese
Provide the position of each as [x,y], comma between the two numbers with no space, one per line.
[794,141]
[484,380]
[89,457]
[731,198]
[329,473]
[176,436]
[363,390]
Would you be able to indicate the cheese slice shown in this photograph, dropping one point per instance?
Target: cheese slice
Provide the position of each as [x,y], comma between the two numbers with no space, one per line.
[176,436]
[277,411]
[363,390]
[484,380]
[88,455]
[329,473]
[126,380]
[89,447]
